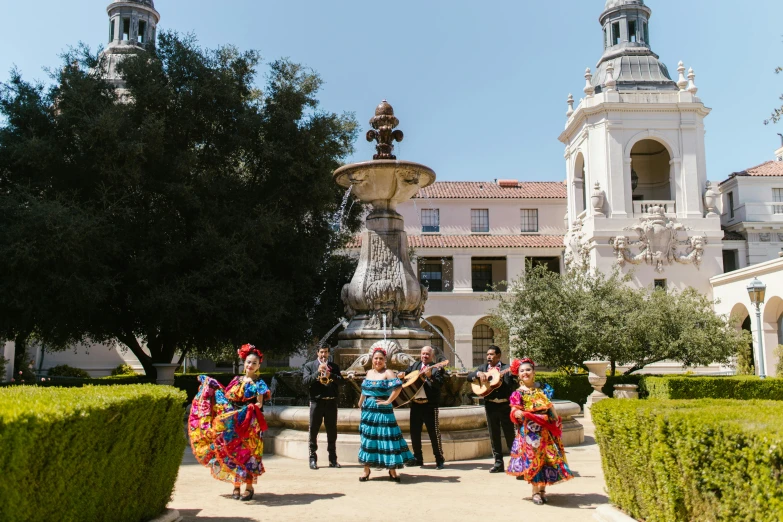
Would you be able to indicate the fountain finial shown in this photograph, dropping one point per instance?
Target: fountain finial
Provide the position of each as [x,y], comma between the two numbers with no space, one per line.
[382,131]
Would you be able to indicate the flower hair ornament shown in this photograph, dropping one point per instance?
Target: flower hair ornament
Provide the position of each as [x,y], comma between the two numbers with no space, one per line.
[379,349]
[516,363]
[249,349]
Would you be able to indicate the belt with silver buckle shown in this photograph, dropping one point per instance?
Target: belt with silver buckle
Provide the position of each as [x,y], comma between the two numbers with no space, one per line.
[498,400]
[421,401]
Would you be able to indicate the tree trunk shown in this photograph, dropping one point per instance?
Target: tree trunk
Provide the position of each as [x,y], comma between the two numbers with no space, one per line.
[20,351]
[612,367]
[129,340]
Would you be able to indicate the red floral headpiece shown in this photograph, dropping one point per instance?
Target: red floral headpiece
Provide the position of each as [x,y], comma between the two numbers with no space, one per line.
[516,363]
[379,349]
[249,349]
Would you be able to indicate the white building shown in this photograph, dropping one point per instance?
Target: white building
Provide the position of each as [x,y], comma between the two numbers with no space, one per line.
[468,236]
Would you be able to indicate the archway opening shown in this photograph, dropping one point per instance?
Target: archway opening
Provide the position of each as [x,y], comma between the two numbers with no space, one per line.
[651,176]
[580,188]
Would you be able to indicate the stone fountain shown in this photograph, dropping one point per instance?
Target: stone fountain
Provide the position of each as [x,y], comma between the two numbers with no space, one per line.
[384,300]
[384,303]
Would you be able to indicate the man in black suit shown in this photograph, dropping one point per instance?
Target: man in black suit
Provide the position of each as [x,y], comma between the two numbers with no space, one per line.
[496,405]
[322,377]
[424,410]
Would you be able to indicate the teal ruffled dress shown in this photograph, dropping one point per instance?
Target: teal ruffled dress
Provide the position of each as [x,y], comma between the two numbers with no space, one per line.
[381,437]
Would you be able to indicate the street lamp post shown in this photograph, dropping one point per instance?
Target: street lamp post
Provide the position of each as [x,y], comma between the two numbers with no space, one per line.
[756,290]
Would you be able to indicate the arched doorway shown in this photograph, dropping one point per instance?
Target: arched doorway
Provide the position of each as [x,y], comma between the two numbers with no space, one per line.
[773,336]
[483,337]
[740,318]
[437,326]
[580,184]
[651,176]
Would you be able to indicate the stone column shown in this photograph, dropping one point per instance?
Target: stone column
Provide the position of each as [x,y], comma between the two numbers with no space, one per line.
[463,283]
[515,267]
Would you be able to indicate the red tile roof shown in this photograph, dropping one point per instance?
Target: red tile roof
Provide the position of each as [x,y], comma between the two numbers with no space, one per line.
[492,190]
[768,168]
[478,241]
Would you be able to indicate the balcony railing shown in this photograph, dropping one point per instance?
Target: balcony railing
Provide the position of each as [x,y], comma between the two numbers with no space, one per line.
[644,206]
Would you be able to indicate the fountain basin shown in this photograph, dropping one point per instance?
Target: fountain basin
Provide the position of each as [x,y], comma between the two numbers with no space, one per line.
[463,432]
[385,183]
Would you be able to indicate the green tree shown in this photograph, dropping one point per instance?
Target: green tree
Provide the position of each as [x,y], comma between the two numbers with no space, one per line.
[197,216]
[562,321]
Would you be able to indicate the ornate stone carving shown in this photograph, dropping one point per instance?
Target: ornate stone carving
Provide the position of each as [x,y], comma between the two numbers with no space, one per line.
[764,237]
[658,243]
[395,356]
[577,249]
[780,237]
[382,131]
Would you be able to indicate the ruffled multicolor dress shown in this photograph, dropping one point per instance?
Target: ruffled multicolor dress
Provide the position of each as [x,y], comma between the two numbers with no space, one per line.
[226,427]
[537,454]
[382,443]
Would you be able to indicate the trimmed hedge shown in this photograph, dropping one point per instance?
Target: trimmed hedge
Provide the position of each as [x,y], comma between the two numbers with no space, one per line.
[739,387]
[91,453]
[63,370]
[696,460]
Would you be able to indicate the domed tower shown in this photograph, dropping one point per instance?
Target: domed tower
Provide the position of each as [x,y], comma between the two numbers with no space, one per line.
[132,27]
[626,25]
[636,164]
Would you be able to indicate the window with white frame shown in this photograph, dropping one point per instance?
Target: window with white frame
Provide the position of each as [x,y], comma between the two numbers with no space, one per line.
[479,220]
[529,219]
[430,220]
[777,197]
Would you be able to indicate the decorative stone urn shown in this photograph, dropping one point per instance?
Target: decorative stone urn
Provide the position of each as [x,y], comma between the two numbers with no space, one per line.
[384,300]
[710,199]
[597,200]
[165,373]
[626,391]
[597,379]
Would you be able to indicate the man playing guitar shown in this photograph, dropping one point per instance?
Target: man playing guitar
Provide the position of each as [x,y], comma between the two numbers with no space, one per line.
[425,410]
[496,405]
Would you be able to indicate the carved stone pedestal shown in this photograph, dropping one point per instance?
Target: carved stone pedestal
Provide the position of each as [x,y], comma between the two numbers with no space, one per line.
[597,378]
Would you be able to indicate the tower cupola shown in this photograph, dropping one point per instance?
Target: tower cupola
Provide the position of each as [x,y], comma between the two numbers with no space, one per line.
[626,37]
[132,27]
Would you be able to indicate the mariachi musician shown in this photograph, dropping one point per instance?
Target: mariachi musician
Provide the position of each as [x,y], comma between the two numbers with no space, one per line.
[322,378]
[424,409]
[496,405]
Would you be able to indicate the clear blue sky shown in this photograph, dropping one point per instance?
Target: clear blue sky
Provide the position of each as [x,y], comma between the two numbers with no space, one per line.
[479,87]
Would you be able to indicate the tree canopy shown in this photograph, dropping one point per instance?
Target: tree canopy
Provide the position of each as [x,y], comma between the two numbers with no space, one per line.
[197,215]
[562,321]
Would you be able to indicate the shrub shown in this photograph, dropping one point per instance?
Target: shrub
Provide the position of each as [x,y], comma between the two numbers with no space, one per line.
[123,369]
[779,366]
[3,363]
[696,460]
[63,370]
[573,388]
[736,387]
[93,453]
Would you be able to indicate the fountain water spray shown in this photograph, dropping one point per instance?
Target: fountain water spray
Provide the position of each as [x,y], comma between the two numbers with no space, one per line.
[437,330]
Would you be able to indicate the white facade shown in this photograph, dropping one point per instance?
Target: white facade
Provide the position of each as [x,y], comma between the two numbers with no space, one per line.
[731,291]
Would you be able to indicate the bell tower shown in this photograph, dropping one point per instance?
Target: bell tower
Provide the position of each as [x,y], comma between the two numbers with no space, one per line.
[635,160]
[132,27]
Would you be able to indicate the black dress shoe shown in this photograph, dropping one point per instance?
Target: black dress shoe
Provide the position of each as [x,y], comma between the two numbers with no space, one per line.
[497,468]
[247,496]
[334,464]
[313,464]
[439,465]
[418,462]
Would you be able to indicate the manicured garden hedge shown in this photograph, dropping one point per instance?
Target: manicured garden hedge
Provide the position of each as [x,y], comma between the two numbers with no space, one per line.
[696,460]
[90,453]
[693,387]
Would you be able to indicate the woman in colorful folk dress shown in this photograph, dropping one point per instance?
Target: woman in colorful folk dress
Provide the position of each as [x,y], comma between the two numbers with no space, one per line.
[227,425]
[382,445]
[537,454]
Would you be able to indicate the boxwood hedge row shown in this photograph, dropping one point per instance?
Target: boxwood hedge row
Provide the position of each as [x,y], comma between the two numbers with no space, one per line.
[738,387]
[696,460]
[89,453]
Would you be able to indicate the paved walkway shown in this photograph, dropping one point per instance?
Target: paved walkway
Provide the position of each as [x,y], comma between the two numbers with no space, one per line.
[291,491]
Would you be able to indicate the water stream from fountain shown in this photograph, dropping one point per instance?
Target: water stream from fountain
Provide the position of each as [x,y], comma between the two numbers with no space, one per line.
[383,320]
[342,322]
[437,330]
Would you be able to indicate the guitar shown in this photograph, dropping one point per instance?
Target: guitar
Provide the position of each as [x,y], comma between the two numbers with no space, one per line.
[494,379]
[412,385]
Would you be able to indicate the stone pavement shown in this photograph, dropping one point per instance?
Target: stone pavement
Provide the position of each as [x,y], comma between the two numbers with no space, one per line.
[289,490]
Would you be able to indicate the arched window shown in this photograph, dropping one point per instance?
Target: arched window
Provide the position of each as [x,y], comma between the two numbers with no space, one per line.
[483,336]
[780,330]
